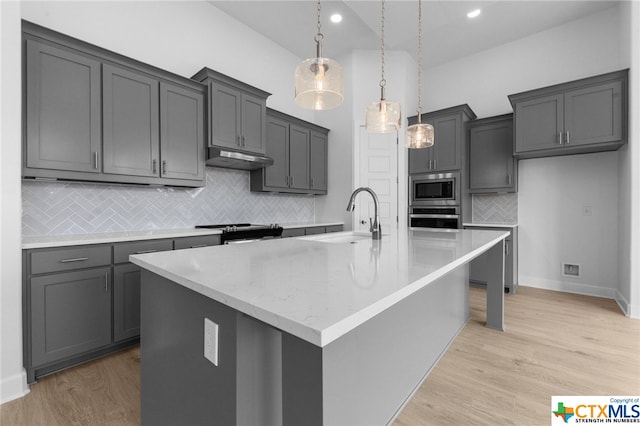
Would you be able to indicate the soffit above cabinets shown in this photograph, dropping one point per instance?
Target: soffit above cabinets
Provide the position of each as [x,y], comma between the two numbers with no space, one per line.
[448,33]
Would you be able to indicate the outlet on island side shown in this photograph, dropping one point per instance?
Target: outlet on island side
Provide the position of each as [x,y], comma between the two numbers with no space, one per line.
[211,341]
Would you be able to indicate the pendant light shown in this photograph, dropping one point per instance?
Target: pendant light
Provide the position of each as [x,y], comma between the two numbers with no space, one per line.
[318,81]
[419,135]
[383,116]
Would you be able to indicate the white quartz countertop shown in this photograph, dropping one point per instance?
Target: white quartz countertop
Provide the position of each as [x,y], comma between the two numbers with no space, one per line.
[490,225]
[315,289]
[47,241]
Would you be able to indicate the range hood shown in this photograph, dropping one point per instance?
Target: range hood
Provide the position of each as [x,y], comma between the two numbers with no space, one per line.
[233,159]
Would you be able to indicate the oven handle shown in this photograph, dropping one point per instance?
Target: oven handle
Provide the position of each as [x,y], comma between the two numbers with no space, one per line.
[434,216]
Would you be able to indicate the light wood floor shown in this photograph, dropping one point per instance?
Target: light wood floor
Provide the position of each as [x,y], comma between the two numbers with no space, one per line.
[555,344]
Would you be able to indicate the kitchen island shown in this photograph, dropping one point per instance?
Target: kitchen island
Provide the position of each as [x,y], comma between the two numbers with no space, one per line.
[321,330]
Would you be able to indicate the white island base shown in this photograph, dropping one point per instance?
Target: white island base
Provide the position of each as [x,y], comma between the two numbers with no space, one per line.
[326,368]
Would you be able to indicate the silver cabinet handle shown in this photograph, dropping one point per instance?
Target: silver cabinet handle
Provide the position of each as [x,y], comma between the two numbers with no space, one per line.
[291,180]
[75,259]
[508,179]
[567,140]
[154,165]
[145,251]
[506,249]
[244,142]
[95,160]
[435,164]
[560,138]
[164,167]
[238,142]
[106,282]
[311,182]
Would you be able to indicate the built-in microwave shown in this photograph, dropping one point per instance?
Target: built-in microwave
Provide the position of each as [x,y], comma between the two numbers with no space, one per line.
[434,189]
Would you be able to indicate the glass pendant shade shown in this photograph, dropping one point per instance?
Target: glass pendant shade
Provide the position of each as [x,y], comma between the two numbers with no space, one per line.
[419,135]
[383,117]
[318,84]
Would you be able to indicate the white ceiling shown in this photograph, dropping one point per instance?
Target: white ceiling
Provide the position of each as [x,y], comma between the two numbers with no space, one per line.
[447,32]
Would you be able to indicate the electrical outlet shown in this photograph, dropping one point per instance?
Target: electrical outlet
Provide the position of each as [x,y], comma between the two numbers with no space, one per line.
[571,270]
[211,341]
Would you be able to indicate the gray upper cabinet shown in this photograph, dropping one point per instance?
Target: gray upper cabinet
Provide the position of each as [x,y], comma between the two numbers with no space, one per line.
[449,132]
[237,117]
[299,152]
[588,115]
[94,115]
[318,162]
[131,129]
[492,167]
[62,109]
[181,133]
[299,140]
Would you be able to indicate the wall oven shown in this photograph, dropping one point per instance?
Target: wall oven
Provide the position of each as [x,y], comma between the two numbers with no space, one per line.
[435,217]
[434,189]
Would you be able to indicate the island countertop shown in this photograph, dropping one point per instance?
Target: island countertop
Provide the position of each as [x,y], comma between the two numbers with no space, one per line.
[319,288]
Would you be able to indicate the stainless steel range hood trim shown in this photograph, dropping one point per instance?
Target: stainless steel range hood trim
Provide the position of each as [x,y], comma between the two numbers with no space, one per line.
[231,159]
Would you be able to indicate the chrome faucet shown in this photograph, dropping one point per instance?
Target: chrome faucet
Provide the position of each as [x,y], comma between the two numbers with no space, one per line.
[374,227]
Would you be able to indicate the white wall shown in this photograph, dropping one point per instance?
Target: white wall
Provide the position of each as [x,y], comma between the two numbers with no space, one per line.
[552,191]
[12,375]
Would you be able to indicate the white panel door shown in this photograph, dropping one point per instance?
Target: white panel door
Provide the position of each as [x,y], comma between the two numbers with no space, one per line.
[379,171]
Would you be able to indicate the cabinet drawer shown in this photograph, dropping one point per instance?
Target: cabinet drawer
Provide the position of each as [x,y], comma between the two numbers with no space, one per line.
[194,242]
[295,232]
[333,228]
[315,230]
[70,258]
[122,251]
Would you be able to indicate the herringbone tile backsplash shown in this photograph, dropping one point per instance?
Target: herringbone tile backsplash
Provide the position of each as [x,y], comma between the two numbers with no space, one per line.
[58,208]
[495,208]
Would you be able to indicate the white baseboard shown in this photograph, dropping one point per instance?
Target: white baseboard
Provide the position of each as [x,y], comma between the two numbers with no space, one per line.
[628,309]
[13,387]
[568,287]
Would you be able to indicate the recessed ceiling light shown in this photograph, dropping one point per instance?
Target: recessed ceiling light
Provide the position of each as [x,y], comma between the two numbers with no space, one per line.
[336,17]
[474,13]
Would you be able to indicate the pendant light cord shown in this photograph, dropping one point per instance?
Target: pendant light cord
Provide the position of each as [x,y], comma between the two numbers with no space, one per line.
[419,109]
[319,36]
[383,82]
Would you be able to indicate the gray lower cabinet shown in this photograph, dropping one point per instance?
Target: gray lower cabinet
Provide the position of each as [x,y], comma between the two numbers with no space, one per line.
[126,301]
[93,115]
[447,153]
[311,230]
[478,267]
[582,116]
[492,167]
[196,242]
[299,150]
[63,112]
[126,286]
[71,313]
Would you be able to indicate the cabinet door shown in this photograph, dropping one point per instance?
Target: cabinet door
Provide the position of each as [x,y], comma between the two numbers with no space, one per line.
[277,175]
[491,163]
[225,116]
[448,143]
[254,114]
[318,162]
[71,314]
[420,160]
[126,301]
[593,114]
[130,123]
[539,123]
[62,109]
[181,133]
[299,157]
